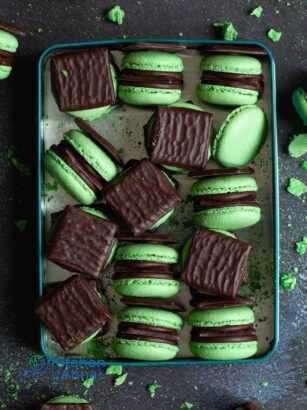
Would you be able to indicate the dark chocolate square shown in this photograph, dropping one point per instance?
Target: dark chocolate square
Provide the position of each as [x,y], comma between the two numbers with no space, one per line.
[141,195]
[180,137]
[82,242]
[216,263]
[72,312]
[81,79]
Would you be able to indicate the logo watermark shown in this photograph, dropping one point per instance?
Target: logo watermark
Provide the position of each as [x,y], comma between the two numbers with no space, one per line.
[65,367]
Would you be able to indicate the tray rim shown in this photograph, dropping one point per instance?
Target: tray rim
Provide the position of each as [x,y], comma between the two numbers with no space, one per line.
[275,195]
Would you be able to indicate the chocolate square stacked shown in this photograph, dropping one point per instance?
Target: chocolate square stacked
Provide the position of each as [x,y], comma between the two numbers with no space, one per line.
[81,79]
[72,312]
[82,242]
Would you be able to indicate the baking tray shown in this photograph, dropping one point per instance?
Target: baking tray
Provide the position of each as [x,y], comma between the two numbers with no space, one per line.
[123,127]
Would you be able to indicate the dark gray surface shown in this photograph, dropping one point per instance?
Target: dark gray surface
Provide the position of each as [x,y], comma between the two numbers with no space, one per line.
[207,387]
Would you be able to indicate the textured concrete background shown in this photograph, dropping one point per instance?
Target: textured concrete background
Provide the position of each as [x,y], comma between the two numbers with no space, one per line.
[278,383]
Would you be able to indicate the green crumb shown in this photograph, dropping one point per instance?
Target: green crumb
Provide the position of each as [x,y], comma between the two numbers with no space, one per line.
[21,224]
[227,29]
[256,12]
[295,269]
[180,34]
[298,145]
[18,162]
[117,370]
[40,30]
[264,383]
[296,187]
[301,246]
[87,383]
[49,187]
[116,15]
[65,73]
[151,388]
[303,165]
[186,405]
[288,281]
[120,379]
[274,35]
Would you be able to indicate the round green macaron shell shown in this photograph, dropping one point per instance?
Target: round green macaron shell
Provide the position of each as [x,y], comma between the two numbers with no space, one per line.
[143,350]
[223,351]
[147,287]
[152,61]
[91,152]
[5,71]
[67,400]
[232,217]
[299,100]
[240,137]
[150,316]
[147,252]
[231,64]
[95,113]
[147,95]
[224,185]
[68,179]
[223,316]
[8,42]
[224,95]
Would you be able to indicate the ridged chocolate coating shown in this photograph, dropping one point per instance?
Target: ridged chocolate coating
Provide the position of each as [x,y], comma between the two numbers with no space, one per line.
[181,137]
[82,242]
[81,79]
[141,195]
[58,406]
[216,263]
[72,312]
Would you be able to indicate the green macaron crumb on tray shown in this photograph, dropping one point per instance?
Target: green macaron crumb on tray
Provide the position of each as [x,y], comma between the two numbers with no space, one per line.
[122,124]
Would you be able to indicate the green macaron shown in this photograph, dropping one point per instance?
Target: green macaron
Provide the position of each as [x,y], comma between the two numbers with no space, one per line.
[223,333]
[9,44]
[145,270]
[67,400]
[147,334]
[230,80]
[240,136]
[80,166]
[150,78]
[226,202]
[299,100]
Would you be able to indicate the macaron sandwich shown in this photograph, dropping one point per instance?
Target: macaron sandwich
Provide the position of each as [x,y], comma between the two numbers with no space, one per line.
[229,79]
[225,198]
[8,47]
[82,163]
[222,329]
[150,76]
[145,269]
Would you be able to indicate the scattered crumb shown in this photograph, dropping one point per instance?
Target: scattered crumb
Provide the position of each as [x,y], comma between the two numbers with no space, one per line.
[21,224]
[120,379]
[298,145]
[264,383]
[49,187]
[117,370]
[40,30]
[288,281]
[256,12]
[18,163]
[152,388]
[296,187]
[65,73]
[301,246]
[274,35]
[303,165]
[116,15]
[227,29]
[180,34]
[186,405]
[87,383]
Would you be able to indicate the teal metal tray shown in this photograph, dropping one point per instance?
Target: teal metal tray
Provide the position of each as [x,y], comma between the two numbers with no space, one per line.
[123,126]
